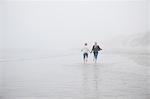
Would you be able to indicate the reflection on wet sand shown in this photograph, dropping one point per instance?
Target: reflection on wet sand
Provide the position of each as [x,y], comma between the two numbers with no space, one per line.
[91,81]
[116,77]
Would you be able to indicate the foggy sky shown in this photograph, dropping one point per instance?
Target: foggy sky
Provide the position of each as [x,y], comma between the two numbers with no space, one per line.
[1,24]
[63,25]
[148,15]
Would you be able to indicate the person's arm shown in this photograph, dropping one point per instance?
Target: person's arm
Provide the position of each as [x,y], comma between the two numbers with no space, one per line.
[89,50]
[92,49]
[99,48]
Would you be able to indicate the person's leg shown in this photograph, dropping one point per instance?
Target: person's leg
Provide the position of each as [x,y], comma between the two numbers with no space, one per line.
[96,54]
[86,57]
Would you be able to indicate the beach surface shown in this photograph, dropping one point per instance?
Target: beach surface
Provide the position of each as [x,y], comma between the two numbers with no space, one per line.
[114,76]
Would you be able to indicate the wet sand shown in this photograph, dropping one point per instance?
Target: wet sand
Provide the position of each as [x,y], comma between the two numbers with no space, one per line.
[115,76]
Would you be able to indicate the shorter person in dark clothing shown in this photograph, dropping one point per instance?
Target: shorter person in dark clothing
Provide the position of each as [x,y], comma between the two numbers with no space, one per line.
[95,50]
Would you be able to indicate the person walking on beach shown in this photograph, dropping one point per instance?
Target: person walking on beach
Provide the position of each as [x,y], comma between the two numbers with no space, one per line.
[85,51]
[95,50]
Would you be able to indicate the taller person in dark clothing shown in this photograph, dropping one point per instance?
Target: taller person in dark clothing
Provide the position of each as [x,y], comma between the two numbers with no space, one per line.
[95,50]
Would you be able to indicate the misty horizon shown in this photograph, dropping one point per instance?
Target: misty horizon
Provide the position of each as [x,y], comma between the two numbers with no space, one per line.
[46,25]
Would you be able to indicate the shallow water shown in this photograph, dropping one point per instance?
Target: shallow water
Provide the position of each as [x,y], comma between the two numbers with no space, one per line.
[113,77]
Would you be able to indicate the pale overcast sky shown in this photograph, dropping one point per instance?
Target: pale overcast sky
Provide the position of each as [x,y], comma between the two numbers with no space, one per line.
[40,25]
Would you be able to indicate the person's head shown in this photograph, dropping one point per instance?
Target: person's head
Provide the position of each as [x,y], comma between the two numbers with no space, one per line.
[85,44]
[95,43]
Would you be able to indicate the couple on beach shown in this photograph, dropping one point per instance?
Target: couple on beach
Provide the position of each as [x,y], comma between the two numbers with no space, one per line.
[86,51]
